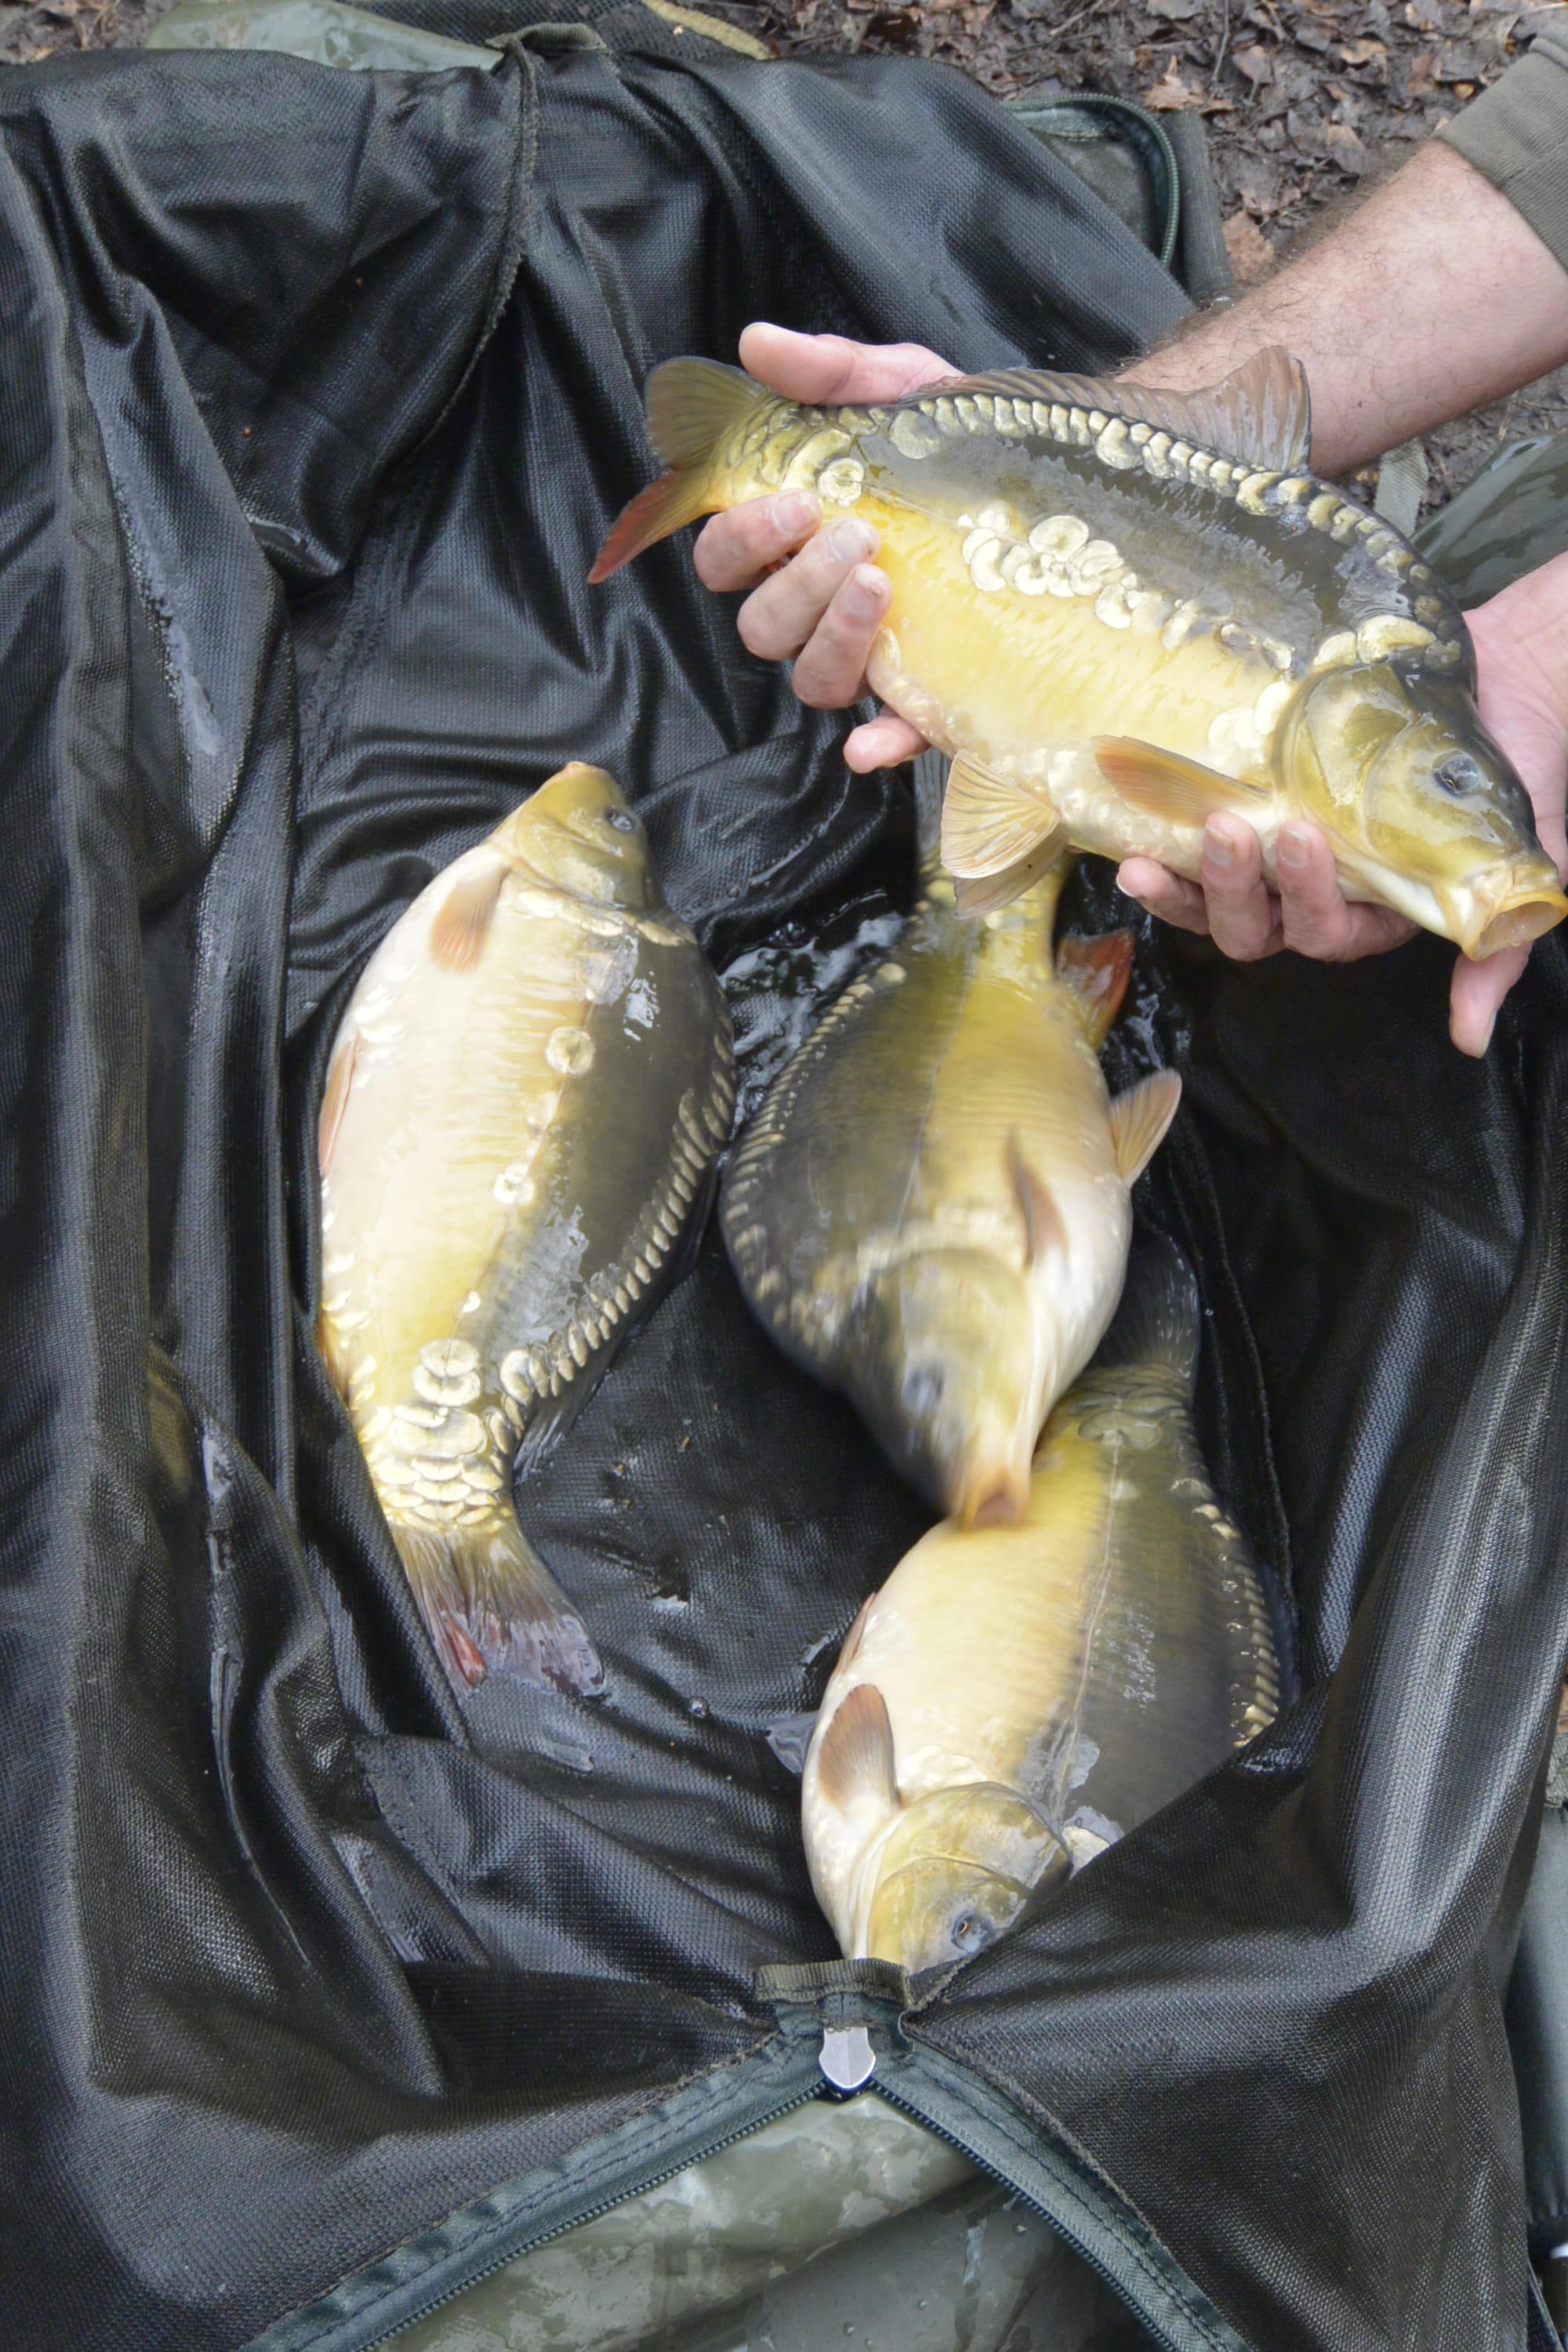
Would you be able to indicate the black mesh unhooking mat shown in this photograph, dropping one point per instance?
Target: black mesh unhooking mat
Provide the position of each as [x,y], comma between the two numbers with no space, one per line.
[317,391]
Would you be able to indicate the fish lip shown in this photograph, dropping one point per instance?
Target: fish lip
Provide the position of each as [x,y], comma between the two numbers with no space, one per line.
[1511,919]
[993,1499]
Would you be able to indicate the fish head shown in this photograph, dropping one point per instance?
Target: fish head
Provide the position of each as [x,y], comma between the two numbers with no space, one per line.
[956,1872]
[578,835]
[1399,762]
[938,1353]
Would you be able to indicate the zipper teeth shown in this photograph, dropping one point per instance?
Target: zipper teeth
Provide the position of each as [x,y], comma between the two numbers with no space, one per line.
[1102,2269]
[594,2213]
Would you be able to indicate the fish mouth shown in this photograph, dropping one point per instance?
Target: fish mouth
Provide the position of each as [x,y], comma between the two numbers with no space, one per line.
[1511,919]
[996,1495]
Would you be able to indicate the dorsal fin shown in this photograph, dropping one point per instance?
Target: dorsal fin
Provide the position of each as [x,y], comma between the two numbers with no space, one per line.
[855,1758]
[1261,413]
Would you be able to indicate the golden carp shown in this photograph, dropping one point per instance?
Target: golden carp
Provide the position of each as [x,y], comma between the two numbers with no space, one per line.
[523,1110]
[1123,609]
[1016,1698]
[930,1208]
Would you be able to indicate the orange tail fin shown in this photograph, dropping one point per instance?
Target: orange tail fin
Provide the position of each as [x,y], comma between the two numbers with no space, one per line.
[675,499]
[1096,970]
[693,406]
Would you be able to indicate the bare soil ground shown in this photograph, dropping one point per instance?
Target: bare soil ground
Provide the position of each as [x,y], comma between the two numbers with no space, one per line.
[1306,102]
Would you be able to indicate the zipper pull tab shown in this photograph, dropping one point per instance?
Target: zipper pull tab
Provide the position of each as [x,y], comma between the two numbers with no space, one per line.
[846,2059]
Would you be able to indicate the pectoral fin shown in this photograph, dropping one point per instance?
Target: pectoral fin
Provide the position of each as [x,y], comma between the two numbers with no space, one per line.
[1096,972]
[1166,785]
[989,821]
[335,1098]
[460,930]
[1043,1226]
[1139,1119]
[856,1757]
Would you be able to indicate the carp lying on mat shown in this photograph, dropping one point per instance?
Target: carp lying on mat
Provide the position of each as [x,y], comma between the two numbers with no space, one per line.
[1123,609]
[1016,1698]
[522,1111]
[930,1208]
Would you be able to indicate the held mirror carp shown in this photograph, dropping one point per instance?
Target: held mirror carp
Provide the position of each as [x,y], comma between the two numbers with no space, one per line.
[931,1209]
[1122,609]
[1013,1700]
[523,1110]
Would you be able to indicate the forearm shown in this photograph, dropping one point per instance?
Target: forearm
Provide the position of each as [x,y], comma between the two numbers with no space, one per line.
[1435,296]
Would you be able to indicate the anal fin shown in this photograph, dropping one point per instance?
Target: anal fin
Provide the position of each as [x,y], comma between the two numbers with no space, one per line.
[990,822]
[1168,785]
[854,1756]
[1139,1120]
[1096,973]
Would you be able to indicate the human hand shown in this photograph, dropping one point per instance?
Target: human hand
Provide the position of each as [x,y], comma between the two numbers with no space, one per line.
[817,596]
[1522,653]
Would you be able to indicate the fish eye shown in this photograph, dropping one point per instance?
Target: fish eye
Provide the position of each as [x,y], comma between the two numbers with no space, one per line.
[970,1931]
[1459,776]
[621,821]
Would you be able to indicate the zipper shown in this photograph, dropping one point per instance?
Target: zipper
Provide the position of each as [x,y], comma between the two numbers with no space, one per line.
[833,2046]
[1049,2176]
[700,2120]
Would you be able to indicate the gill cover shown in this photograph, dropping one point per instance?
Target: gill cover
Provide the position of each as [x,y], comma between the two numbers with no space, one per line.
[955,1871]
[1400,763]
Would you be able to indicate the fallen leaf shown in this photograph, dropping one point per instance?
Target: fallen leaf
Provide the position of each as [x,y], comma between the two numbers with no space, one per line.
[1420,73]
[1362,53]
[1171,94]
[1251,255]
[1345,146]
[1174,12]
[1255,62]
[1257,182]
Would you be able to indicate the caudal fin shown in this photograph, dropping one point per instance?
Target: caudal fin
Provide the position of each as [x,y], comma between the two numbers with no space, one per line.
[692,407]
[1096,972]
[490,1605]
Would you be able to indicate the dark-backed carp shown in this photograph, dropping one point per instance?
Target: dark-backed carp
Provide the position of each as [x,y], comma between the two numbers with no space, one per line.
[930,1208]
[1013,1700]
[522,1111]
[1123,609]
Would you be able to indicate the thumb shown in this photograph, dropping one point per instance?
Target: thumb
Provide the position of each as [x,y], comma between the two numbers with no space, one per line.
[822,369]
[1478,993]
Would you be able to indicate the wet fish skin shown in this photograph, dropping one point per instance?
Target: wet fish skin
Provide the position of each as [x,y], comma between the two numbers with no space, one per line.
[1122,609]
[522,1111]
[1015,1699]
[931,1209]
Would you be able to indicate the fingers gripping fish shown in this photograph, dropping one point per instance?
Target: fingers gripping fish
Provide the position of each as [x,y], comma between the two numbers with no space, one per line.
[1121,609]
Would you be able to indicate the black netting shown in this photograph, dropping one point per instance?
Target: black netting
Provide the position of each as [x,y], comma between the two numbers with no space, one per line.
[299,490]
